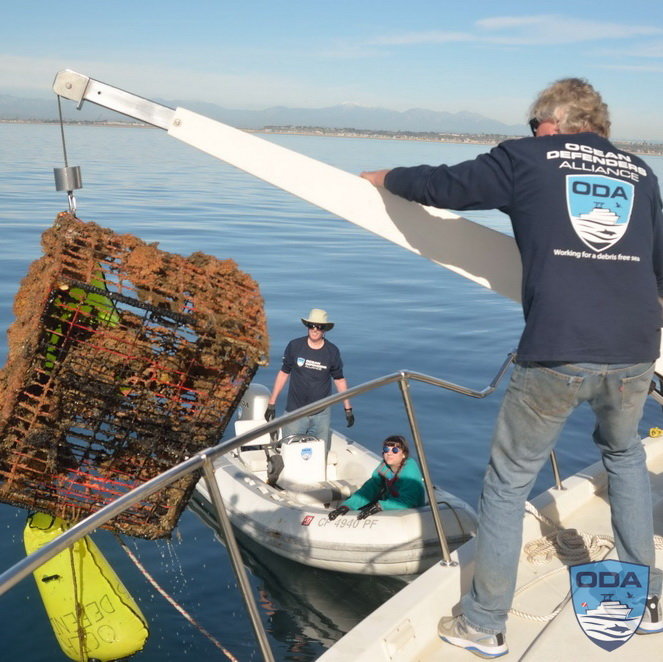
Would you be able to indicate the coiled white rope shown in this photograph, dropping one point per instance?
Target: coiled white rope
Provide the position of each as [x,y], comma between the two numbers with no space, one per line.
[571,547]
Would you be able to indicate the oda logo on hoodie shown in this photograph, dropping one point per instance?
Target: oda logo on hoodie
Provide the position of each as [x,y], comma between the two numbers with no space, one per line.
[599,209]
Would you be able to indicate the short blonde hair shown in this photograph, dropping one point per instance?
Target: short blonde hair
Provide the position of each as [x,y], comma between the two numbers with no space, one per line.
[575,104]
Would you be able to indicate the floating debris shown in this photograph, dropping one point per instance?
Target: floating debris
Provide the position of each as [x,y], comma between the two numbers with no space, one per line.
[124,360]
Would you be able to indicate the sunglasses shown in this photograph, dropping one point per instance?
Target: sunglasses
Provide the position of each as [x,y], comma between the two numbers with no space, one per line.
[393,449]
[319,327]
[534,124]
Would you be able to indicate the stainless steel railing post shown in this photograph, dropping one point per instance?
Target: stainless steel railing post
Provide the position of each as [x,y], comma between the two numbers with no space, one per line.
[555,470]
[236,559]
[423,462]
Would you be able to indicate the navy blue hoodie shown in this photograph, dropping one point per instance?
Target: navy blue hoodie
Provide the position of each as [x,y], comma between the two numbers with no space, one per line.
[587,220]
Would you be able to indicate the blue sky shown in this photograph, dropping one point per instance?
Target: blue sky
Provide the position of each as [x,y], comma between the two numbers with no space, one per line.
[485,57]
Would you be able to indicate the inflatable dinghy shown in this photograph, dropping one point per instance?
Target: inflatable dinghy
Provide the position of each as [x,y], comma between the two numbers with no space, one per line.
[288,512]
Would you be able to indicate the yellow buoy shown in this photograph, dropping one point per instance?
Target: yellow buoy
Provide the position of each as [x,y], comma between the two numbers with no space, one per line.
[91,612]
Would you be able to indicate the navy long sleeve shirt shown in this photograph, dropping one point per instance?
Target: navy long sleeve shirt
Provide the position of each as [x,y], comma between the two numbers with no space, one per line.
[588,223]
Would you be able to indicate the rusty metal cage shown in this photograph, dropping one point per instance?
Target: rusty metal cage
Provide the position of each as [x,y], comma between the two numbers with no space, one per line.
[123,361]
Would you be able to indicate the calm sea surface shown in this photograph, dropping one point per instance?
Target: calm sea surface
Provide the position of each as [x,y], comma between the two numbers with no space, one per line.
[392,309]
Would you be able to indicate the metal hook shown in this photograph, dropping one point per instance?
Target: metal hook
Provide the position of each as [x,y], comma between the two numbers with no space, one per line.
[68,178]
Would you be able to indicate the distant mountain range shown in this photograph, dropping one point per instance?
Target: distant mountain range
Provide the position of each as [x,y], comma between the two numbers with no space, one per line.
[344,116]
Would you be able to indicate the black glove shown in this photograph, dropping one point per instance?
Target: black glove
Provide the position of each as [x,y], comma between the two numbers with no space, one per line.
[341,510]
[270,412]
[349,417]
[368,510]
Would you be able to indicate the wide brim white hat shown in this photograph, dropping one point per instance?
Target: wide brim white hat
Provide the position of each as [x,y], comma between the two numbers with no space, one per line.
[318,316]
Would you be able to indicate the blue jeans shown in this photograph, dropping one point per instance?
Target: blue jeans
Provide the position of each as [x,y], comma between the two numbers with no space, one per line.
[317,425]
[539,399]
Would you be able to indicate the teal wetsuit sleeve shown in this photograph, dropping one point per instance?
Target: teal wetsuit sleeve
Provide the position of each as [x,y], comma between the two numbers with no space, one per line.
[367,493]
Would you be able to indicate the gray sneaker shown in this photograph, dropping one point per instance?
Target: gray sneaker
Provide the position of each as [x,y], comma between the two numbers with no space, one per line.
[651,620]
[454,630]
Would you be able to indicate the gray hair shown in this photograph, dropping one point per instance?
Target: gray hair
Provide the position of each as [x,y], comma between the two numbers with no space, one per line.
[576,106]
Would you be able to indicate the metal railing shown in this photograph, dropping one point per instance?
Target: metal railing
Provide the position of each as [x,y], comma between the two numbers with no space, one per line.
[204,461]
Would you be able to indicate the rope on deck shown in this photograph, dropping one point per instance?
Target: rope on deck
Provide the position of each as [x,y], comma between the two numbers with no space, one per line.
[571,547]
[171,601]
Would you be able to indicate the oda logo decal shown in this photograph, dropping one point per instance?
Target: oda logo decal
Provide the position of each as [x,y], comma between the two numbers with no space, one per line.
[599,208]
[306,453]
[609,600]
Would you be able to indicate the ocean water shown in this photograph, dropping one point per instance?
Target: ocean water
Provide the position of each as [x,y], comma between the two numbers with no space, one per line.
[393,310]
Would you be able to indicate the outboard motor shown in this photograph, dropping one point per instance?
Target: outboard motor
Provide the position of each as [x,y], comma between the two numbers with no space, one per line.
[250,415]
[253,404]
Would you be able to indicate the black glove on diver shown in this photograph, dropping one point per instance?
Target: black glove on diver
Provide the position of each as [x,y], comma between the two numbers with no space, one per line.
[341,510]
[270,412]
[368,510]
[349,417]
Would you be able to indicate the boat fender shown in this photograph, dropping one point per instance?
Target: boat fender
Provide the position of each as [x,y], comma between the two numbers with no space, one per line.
[92,614]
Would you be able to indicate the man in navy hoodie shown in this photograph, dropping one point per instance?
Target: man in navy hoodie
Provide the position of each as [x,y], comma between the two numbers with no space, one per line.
[588,223]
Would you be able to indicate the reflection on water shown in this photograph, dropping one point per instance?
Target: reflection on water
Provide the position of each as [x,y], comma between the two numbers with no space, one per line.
[306,609]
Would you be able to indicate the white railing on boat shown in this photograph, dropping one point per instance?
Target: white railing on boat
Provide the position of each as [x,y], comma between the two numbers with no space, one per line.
[204,461]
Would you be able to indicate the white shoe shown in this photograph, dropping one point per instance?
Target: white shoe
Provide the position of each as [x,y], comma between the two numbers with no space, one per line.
[455,630]
[651,622]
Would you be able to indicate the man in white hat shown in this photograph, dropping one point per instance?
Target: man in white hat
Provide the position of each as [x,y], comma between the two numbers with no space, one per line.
[311,363]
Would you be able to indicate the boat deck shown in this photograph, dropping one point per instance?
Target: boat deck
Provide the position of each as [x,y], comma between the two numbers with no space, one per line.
[404,628]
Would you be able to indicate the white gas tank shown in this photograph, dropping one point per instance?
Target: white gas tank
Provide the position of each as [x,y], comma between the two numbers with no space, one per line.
[304,460]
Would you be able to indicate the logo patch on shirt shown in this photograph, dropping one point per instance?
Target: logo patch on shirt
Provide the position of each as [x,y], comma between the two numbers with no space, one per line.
[599,208]
[300,361]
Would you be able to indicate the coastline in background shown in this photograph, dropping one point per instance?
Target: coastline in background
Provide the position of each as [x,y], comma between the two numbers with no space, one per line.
[641,147]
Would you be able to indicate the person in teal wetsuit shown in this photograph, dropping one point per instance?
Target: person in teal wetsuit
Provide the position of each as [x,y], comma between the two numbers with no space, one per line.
[396,483]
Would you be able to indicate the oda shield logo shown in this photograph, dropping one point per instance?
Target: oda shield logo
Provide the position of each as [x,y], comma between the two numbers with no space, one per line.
[306,453]
[599,208]
[609,600]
